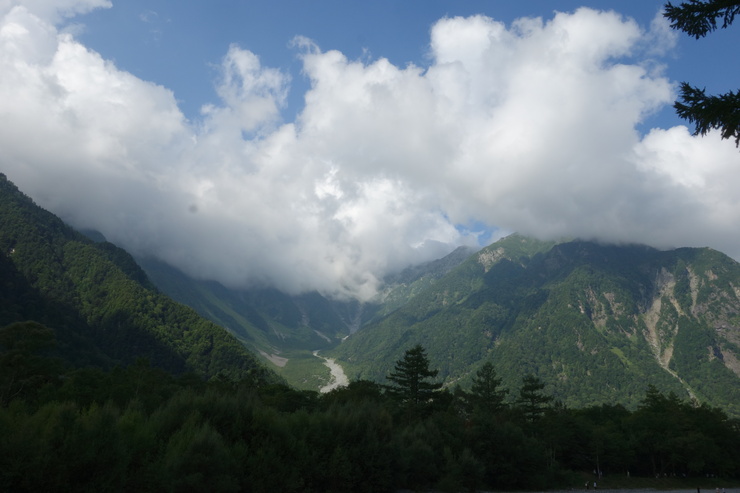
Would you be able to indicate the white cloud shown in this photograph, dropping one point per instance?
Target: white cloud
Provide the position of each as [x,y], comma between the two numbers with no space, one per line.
[53,11]
[529,128]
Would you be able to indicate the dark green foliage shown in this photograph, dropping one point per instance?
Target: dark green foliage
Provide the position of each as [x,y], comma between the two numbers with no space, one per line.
[676,438]
[698,18]
[531,401]
[514,460]
[721,112]
[410,380]
[486,393]
[197,458]
[605,440]
[356,391]
[136,429]
[23,369]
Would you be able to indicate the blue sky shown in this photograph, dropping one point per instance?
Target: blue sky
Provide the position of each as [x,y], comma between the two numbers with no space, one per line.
[179,44]
[323,145]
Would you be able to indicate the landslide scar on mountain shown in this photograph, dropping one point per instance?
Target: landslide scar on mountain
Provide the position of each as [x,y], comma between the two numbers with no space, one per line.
[490,257]
[662,346]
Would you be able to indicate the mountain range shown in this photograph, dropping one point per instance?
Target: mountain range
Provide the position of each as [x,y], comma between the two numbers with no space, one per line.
[596,323]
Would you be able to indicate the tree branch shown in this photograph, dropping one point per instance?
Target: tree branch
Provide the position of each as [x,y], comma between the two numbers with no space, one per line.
[720,112]
[699,17]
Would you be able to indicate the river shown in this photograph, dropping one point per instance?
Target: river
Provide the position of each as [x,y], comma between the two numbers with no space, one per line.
[338,378]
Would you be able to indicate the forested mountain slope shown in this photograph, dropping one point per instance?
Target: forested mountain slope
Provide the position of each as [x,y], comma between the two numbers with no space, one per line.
[596,323]
[101,306]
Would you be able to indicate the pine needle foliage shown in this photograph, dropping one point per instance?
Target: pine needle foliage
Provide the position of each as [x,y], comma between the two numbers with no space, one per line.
[410,378]
[698,18]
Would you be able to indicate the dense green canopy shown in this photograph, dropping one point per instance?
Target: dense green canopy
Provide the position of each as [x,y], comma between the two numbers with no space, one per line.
[138,428]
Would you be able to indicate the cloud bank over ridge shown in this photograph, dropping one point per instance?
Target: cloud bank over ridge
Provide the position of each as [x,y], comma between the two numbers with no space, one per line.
[531,127]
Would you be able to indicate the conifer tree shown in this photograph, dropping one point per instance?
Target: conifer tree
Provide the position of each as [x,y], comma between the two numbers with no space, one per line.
[485,392]
[531,401]
[722,112]
[411,378]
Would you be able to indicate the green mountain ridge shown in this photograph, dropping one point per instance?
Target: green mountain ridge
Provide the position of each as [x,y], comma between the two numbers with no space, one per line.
[99,303]
[597,323]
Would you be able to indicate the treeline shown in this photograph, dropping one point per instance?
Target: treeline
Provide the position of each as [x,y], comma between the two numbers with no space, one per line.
[138,428]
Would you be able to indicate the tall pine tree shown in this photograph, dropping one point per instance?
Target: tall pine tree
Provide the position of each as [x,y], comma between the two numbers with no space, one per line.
[410,379]
[531,401]
[486,393]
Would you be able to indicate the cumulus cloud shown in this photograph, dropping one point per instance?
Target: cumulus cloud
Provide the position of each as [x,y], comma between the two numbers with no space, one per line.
[529,127]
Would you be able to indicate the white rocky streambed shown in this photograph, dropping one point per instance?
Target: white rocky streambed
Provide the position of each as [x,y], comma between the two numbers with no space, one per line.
[338,378]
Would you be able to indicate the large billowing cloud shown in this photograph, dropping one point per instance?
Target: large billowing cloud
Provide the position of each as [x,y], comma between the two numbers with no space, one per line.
[529,127]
